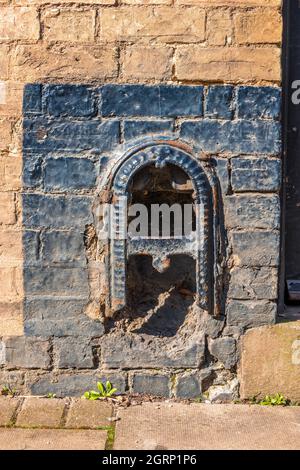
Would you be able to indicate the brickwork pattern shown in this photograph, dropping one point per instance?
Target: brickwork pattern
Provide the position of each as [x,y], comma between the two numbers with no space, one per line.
[127,41]
[68,129]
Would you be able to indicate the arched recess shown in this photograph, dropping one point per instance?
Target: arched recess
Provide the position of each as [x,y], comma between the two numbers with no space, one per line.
[203,244]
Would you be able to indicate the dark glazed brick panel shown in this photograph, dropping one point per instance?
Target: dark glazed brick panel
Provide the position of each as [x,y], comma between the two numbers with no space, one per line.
[70,133]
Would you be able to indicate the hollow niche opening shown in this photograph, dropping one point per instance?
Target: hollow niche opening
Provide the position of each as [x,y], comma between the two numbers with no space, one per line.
[159,299]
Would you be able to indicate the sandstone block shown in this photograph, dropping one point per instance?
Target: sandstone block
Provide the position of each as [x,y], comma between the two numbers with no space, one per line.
[234,64]
[274,351]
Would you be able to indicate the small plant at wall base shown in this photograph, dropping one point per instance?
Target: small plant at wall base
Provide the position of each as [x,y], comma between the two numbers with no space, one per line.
[104,391]
[275,400]
[8,391]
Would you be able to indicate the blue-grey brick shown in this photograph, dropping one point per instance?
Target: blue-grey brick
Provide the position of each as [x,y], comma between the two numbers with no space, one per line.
[70,100]
[53,308]
[258,102]
[180,100]
[133,129]
[130,100]
[119,351]
[72,352]
[156,385]
[249,137]
[224,349]
[30,246]
[255,174]
[74,385]
[188,386]
[143,100]
[63,248]
[253,283]
[63,174]
[30,353]
[250,314]
[256,248]
[221,168]
[59,316]
[32,171]
[47,135]
[56,211]
[32,98]
[218,103]
[249,212]
[55,281]
[79,325]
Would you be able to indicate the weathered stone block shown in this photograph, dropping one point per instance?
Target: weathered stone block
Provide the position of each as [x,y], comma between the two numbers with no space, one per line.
[253,283]
[63,247]
[11,283]
[32,98]
[11,316]
[73,353]
[255,174]
[56,281]
[30,353]
[81,25]
[218,102]
[65,174]
[58,212]
[165,24]
[274,352]
[247,137]
[70,100]
[4,61]
[219,27]
[6,134]
[43,135]
[188,386]
[32,175]
[230,64]
[74,385]
[11,253]
[224,393]
[53,308]
[80,325]
[70,62]
[58,316]
[256,248]
[258,102]
[139,351]
[252,212]
[31,247]
[144,62]
[224,349]
[41,412]
[19,23]
[156,385]
[88,414]
[250,314]
[8,407]
[133,129]
[143,100]
[7,208]
[258,26]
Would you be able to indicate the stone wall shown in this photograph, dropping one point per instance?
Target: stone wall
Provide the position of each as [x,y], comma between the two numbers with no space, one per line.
[191,42]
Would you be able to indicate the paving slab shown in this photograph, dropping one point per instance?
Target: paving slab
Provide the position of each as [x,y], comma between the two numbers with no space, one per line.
[41,412]
[51,439]
[7,409]
[88,414]
[172,426]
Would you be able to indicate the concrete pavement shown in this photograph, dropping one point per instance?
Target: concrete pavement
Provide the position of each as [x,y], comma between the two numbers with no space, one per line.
[39,423]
